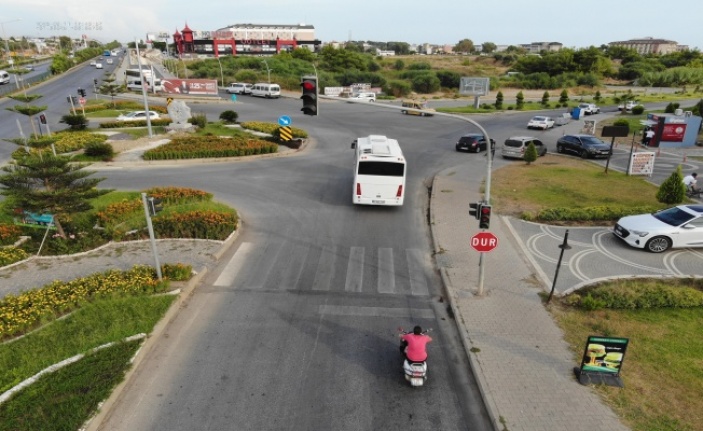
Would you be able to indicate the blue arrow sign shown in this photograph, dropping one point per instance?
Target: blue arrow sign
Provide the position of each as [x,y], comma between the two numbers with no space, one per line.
[234,98]
[284,120]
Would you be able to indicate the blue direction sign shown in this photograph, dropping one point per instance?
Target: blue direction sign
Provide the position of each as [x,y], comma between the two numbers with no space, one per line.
[284,120]
[234,98]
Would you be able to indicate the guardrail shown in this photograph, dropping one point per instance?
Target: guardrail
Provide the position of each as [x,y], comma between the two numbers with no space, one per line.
[20,82]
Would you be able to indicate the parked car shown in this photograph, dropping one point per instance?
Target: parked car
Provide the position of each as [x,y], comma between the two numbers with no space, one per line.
[540,122]
[515,146]
[676,227]
[473,143]
[586,146]
[138,115]
[239,88]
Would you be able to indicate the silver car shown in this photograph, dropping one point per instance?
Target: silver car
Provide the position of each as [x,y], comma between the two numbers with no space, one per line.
[677,227]
[515,146]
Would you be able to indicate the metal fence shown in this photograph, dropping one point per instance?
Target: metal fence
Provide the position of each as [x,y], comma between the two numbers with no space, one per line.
[20,82]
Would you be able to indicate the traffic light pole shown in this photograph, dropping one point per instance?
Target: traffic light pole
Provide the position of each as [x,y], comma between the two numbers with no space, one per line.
[489,165]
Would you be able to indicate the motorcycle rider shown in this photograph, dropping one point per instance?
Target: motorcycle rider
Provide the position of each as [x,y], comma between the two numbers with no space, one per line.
[690,182]
[413,345]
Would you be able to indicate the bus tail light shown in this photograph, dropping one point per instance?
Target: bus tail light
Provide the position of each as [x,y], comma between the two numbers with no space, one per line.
[400,192]
[358,189]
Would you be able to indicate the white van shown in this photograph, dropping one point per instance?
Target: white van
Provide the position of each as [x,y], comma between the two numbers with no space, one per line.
[137,86]
[268,91]
[4,77]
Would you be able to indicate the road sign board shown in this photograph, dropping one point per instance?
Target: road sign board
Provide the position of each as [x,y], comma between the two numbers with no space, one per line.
[286,133]
[284,120]
[233,97]
[484,242]
[81,100]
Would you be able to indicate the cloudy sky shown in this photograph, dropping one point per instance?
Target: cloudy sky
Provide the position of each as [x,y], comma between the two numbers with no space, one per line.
[506,22]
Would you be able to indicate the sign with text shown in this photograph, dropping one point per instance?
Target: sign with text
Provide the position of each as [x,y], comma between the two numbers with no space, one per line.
[484,242]
[641,163]
[673,132]
[604,355]
[474,86]
[196,87]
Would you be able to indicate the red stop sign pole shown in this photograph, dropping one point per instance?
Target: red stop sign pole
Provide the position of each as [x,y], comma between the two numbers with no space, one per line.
[484,242]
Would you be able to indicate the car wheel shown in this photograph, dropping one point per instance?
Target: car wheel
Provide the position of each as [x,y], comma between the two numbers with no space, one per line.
[658,244]
[403,112]
[584,154]
[560,149]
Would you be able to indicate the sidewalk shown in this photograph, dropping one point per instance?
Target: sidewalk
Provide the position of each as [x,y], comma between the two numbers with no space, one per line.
[517,352]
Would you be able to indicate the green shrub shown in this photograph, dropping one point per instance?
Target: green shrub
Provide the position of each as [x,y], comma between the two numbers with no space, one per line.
[100,150]
[140,123]
[198,120]
[634,294]
[196,224]
[637,110]
[605,213]
[229,117]
[75,122]
[177,272]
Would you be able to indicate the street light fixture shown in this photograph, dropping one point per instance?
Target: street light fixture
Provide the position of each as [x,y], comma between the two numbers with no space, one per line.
[4,36]
[267,70]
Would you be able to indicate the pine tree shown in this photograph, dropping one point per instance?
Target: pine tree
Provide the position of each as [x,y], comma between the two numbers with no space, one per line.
[499,100]
[44,183]
[520,100]
[28,110]
[563,97]
[672,191]
[545,98]
[531,153]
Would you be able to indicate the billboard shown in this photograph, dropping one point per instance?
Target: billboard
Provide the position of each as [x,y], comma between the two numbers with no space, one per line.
[673,132]
[198,87]
[604,355]
[474,86]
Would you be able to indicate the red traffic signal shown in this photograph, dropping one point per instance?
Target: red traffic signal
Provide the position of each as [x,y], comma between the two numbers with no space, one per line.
[42,118]
[309,96]
[484,220]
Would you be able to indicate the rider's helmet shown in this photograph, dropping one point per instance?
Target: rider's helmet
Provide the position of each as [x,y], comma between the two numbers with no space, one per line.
[417,330]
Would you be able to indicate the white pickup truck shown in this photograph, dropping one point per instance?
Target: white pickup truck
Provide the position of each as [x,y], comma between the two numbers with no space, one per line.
[589,108]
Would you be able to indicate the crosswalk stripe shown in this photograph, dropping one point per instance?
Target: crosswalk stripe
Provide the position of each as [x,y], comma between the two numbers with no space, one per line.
[325,268]
[350,310]
[355,270]
[417,262]
[234,265]
[386,272]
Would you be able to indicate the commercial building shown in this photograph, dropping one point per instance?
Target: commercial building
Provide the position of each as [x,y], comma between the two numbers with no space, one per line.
[243,39]
[649,45]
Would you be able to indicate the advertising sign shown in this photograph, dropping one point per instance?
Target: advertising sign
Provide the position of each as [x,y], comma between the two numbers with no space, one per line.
[474,86]
[673,132]
[604,355]
[196,87]
[641,163]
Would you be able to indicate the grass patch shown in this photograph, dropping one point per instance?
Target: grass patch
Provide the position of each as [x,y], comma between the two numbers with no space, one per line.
[64,400]
[219,129]
[663,370]
[559,181]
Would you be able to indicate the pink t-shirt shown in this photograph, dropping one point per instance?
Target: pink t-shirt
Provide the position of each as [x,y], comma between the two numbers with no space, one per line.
[416,346]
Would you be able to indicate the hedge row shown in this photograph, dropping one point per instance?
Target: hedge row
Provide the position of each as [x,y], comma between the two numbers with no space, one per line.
[587,214]
[195,147]
[272,128]
[640,294]
[196,224]
[140,123]
[124,105]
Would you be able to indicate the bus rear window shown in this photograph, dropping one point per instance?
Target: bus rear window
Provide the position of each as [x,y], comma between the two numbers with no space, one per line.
[383,169]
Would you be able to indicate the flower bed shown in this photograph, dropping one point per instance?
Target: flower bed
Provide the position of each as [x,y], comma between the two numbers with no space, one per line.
[196,147]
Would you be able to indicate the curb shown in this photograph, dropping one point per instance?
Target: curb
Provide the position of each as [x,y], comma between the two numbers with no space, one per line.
[105,410]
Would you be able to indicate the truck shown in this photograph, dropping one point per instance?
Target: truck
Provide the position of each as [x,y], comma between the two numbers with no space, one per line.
[589,108]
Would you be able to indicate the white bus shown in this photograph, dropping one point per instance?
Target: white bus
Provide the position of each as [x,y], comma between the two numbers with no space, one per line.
[379,171]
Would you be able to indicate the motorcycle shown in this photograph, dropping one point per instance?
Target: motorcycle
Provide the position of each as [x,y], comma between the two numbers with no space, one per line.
[415,372]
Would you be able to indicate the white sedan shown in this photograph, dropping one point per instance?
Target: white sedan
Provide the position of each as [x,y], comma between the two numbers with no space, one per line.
[138,115]
[540,122]
[677,227]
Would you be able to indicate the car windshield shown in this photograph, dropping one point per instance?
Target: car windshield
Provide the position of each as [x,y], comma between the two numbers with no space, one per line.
[590,140]
[538,119]
[673,216]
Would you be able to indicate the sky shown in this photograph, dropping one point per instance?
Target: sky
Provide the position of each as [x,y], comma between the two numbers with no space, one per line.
[575,24]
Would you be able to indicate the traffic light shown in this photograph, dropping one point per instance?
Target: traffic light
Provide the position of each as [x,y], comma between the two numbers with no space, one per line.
[475,209]
[155,205]
[309,96]
[484,220]
[81,92]
[42,118]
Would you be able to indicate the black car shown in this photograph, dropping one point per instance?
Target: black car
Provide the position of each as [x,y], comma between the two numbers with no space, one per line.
[473,142]
[586,146]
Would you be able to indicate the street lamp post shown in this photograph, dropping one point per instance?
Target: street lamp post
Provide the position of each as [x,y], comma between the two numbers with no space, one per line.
[7,44]
[222,75]
[267,70]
